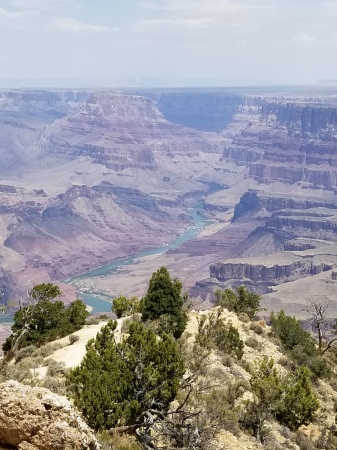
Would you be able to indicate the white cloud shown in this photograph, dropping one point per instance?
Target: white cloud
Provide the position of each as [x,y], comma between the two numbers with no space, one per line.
[307,39]
[41,5]
[76,26]
[193,6]
[35,20]
[17,20]
[304,39]
[161,24]
[240,17]
[13,15]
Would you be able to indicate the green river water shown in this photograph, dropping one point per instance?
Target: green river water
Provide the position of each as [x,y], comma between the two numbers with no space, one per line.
[100,305]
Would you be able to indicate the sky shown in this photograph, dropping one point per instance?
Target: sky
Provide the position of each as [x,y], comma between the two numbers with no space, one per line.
[178,42]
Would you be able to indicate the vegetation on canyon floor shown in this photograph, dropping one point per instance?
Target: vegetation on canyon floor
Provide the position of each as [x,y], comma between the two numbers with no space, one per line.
[176,379]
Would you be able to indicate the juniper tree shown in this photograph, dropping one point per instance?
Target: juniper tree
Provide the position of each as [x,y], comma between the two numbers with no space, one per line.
[127,384]
[164,302]
[39,319]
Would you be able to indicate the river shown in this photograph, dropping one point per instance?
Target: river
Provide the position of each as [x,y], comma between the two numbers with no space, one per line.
[100,305]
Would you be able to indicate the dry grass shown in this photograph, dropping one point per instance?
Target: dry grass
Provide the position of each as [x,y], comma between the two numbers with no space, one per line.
[117,441]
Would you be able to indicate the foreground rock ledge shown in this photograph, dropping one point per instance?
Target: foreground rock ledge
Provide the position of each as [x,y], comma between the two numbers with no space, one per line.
[36,419]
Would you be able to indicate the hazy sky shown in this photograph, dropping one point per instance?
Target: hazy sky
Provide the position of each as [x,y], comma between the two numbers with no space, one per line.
[237,42]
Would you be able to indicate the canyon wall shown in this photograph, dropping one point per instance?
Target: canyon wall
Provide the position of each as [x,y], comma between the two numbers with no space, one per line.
[203,111]
[123,131]
[90,177]
[287,141]
[272,275]
[24,115]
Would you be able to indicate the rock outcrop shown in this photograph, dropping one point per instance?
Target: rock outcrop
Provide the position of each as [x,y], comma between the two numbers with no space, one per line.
[124,131]
[37,419]
[255,201]
[24,115]
[287,140]
[305,226]
[309,119]
[272,274]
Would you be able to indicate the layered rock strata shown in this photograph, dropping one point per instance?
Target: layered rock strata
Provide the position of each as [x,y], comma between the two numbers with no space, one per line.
[123,131]
[271,274]
[287,140]
[24,115]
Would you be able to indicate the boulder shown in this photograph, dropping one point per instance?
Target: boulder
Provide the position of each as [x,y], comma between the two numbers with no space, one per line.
[33,418]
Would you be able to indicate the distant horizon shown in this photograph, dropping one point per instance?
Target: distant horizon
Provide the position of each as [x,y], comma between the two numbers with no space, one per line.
[130,82]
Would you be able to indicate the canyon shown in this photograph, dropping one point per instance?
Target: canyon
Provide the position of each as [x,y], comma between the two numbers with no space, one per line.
[90,177]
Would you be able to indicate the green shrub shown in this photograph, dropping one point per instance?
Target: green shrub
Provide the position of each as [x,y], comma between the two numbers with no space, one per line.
[317,365]
[290,399]
[300,345]
[299,403]
[244,302]
[254,326]
[124,307]
[253,343]
[227,339]
[266,386]
[73,338]
[226,299]
[213,332]
[139,373]
[25,352]
[45,291]
[55,368]
[289,331]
